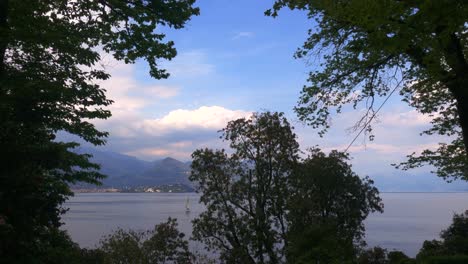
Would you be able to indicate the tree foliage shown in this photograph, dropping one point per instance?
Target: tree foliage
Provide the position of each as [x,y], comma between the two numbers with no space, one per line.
[245,193]
[452,249]
[368,49]
[56,247]
[398,257]
[454,240]
[48,75]
[328,202]
[164,244]
[378,255]
[265,205]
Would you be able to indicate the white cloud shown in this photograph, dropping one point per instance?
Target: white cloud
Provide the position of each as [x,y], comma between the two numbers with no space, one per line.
[205,117]
[176,134]
[243,34]
[407,119]
[130,124]
[126,91]
[159,152]
[397,134]
[179,131]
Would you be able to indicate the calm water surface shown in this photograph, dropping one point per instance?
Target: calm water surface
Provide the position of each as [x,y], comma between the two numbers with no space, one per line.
[408,220]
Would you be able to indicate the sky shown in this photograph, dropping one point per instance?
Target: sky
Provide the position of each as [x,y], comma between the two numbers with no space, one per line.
[233,60]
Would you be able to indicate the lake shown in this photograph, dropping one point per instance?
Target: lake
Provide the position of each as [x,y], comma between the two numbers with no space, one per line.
[408,220]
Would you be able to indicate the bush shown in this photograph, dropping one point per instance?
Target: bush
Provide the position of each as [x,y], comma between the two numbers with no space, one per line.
[164,244]
[446,260]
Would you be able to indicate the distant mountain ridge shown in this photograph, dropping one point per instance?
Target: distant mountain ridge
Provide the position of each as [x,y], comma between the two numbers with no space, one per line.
[127,171]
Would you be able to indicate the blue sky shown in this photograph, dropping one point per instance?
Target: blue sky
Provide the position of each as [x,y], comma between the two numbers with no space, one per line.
[233,60]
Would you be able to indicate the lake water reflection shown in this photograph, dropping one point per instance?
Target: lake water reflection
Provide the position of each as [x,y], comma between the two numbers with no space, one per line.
[408,220]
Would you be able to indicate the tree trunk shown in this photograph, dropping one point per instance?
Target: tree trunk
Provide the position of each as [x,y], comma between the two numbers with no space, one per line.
[462,106]
[3,33]
[458,86]
[461,95]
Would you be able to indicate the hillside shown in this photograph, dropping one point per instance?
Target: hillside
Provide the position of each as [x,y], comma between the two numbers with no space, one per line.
[127,171]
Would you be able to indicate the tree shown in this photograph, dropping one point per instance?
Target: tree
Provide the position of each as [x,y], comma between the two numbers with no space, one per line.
[245,193]
[265,205]
[327,207]
[56,247]
[398,257]
[455,237]
[91,256]
[378,255]
[123,247]
[369,49]
[431,248]
[454,240]
[48,75]
[164,244]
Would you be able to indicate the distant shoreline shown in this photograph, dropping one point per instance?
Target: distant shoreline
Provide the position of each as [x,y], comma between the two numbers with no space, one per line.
[426,192]
[119,191]
[163,188]
[123,191]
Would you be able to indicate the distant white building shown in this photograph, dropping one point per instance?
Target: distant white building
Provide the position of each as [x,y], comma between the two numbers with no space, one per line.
[149,190]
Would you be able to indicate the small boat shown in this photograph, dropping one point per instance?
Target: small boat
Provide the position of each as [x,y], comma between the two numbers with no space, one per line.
[187,206]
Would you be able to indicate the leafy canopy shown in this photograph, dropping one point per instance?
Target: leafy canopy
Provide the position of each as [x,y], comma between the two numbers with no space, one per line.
[327,207]
[454,240]
[49,55]
[163,244]
[245,193]
[370,49]
[266,205]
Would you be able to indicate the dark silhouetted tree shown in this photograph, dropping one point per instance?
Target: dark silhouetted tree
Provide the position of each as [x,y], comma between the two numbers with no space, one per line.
[398,257]
[48,75]
[327,207]
[245,193]
[264,205]
[454,241]
[164,244]
[376,255]
[367,49]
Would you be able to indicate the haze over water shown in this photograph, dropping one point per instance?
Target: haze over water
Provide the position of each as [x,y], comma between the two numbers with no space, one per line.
[408,220]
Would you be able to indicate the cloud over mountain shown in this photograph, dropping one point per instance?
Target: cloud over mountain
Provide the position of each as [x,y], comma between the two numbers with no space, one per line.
[205,117]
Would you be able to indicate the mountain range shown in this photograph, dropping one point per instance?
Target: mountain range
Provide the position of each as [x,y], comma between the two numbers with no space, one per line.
[127,171]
